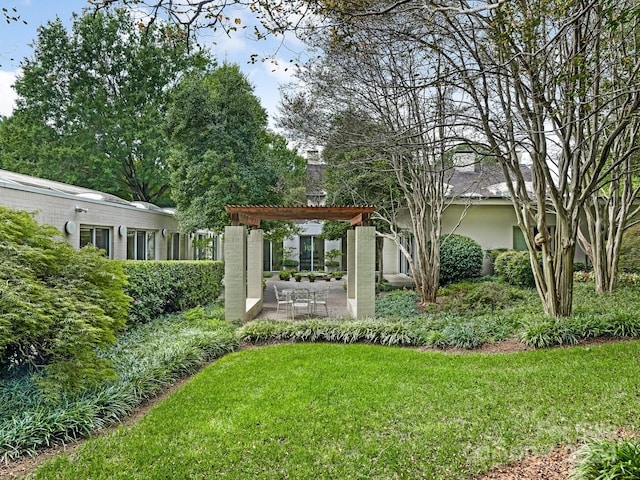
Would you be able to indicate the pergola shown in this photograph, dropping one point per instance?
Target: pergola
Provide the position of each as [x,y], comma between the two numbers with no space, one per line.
[243,255]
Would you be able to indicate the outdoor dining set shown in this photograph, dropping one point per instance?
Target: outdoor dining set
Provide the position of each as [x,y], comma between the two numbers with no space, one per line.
[301,301]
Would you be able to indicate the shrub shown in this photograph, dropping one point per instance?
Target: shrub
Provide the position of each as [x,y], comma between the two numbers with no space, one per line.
[629,261]
[480,297]
[606,459]
[397,304]
[161,287]
[515,268]
[147,359]
[460,258]
[57,305]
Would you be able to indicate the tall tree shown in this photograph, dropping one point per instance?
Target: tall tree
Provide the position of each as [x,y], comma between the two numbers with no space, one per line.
[222,152]
[97,95]
[555,79]
[403,127]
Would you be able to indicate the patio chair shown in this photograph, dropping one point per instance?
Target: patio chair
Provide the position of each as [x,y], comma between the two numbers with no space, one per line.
[320,299]
[301,302]
[281,301]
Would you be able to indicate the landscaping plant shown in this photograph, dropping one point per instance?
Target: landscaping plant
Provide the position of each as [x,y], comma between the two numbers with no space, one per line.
[57,305]
[147,360]
[608,460]
[460,257]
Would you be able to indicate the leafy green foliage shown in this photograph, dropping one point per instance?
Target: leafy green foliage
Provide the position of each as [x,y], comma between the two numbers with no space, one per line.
[608,460]
[460,258]
[327,330]
[222,153]
[57,305]
[147,359]
[477,297]
[397,304]
[159,287]
[515,268]
[91,105]
[629,261]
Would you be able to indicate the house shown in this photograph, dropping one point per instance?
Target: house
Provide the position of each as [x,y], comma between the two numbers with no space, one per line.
[479,208]
[125,230]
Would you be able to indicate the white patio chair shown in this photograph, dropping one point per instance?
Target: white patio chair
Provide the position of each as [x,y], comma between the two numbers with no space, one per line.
[281,301]
[301,302]
[320,299]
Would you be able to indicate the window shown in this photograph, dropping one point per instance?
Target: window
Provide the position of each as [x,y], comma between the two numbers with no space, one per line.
[173,246]
[141,245]
[519,242]
[408,243]
[205,247]
[97,236]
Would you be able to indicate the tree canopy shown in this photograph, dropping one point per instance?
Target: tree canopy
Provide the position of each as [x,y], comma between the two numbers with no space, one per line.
[91,102]
[222,153]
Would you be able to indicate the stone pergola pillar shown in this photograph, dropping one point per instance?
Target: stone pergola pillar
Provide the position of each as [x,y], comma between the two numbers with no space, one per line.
[235,272]
[362,302]
[255,255]
[243,255]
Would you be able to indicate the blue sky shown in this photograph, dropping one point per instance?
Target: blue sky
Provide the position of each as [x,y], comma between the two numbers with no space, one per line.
[16,37]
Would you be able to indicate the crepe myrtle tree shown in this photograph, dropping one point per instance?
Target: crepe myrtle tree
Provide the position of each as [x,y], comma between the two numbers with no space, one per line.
[380,107]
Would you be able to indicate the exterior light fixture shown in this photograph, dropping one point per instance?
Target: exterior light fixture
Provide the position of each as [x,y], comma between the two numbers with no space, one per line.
[81,209]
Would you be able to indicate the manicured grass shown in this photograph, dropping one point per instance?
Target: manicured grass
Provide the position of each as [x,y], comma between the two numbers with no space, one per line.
[314,411]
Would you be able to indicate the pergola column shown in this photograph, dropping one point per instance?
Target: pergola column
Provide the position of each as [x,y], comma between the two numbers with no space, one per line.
[255,255]
[235,272]
[362,303]
[351,264]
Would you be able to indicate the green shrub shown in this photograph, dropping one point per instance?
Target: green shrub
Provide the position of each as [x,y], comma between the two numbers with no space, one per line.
[161,287]
[147,359]
[607,460]
[460,258]
[480,297]
[515,268]
[629,261]
[397,304]
[491,255]
[57,305]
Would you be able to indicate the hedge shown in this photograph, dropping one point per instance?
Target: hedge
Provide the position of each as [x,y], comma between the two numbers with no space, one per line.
[161,287]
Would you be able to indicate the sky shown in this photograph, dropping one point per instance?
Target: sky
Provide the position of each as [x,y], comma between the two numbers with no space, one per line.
[266,77]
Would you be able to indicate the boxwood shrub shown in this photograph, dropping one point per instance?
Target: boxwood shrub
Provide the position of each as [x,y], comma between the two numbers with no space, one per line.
[160,287]
[515,268]
[460,258]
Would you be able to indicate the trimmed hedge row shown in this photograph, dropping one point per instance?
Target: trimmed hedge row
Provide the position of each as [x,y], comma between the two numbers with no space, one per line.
[161,287]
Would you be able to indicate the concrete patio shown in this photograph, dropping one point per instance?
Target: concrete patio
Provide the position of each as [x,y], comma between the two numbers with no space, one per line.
[336,295]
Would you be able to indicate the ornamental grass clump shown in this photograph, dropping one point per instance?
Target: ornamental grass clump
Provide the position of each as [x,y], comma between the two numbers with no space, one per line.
[328,330]
[607,460]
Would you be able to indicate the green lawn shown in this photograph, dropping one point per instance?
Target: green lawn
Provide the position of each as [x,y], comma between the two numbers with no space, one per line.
[368,412]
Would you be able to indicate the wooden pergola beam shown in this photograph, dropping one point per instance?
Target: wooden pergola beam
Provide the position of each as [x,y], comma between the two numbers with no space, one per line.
[254,214]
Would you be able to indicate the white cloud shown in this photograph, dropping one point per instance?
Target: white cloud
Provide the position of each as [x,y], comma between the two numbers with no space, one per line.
[8,95]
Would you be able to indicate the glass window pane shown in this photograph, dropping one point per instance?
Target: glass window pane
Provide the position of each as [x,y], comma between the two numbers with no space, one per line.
[102,240]
[141,246]
[151,246]
[131,245]
[85,236]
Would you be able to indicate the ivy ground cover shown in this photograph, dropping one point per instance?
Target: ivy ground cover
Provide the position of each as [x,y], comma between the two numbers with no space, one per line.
[364,411]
